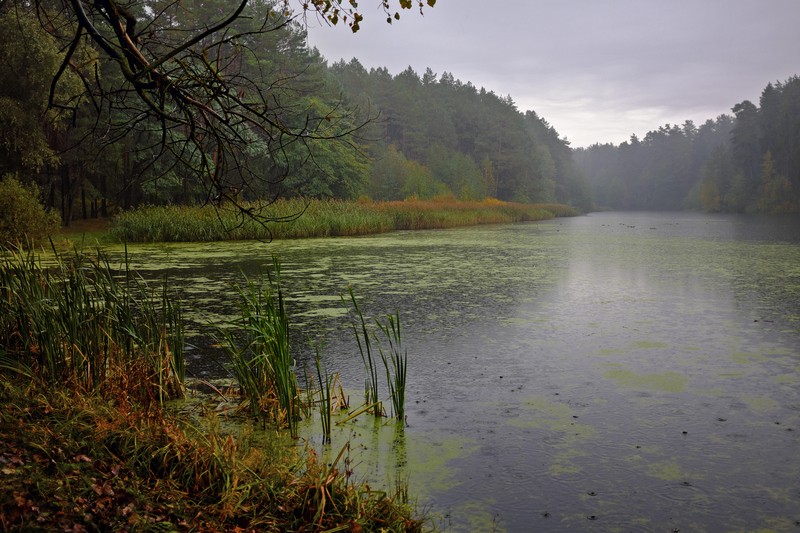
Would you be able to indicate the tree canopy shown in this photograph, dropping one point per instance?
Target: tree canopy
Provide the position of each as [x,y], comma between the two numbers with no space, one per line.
[211,98]
[441,135]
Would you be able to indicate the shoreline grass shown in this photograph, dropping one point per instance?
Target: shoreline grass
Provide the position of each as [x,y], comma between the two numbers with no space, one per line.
[260,354]
[89,356]
[302,218]
[84,324]
[74,462]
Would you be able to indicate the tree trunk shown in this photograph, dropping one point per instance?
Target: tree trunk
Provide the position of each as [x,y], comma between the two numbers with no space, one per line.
[66,196]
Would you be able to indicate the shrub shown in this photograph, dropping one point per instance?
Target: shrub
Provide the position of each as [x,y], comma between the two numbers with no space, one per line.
[23,219]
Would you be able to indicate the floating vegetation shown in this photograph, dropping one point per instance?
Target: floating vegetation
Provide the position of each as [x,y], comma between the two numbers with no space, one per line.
[661,382]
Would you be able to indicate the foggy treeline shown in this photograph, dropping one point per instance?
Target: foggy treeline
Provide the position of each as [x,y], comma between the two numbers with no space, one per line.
[745,162]
[341,131]
[437,135]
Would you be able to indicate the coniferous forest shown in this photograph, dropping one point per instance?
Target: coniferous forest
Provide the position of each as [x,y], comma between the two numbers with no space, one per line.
[288,123]
[748,161]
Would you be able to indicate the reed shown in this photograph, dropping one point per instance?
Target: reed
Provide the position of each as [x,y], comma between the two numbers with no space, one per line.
[364,340]
[85,323]
[395,363]
[394,358]
[259,351]
[301,218]
[325,392]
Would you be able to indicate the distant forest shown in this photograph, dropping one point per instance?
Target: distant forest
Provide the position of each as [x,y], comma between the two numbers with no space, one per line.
[299,126]
[745,162]
[435,135]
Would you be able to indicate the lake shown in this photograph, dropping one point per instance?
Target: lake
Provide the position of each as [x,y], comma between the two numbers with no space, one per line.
[610,372]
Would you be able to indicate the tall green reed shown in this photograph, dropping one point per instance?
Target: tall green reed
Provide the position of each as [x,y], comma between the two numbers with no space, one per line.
[394,358]
[395,363]
[325,393]
[78,322]
[364,339]
[259,351]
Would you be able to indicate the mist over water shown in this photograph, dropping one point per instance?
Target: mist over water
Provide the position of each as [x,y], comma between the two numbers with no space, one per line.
[617,371]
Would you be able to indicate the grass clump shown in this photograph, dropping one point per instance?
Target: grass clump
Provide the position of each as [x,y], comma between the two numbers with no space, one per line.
[259,351]
[83,323]
[301,218]
[394,361]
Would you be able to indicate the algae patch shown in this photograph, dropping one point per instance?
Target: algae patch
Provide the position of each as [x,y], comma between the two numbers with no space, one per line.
[744,358]
[660,382]
[760,404]
[567,434]
[650,345]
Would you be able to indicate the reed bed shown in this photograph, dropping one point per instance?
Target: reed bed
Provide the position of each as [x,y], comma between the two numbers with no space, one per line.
[89,354]
[85,323]
[302,218]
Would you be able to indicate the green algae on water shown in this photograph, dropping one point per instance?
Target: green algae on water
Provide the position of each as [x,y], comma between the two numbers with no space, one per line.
[658,382]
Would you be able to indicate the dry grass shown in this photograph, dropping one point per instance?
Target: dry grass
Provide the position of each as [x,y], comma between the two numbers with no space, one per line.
[74,463]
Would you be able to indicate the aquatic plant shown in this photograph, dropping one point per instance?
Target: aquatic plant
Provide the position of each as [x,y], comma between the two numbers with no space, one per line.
[259,351]
[325,406]
[363,338]
[396,364]
[300,218]
[394,360]
[87,324]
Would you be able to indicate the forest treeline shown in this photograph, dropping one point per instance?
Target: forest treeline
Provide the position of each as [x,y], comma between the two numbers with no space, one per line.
[436,135]
[745,162]
[326,131]
[254,114]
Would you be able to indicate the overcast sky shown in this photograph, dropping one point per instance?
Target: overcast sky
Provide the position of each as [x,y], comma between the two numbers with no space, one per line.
[597,70]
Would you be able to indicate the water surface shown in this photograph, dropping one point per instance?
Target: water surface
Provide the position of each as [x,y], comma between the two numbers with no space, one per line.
[612,372]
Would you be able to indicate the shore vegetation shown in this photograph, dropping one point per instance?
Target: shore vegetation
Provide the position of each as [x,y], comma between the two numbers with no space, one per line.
[303,218]
[91,359]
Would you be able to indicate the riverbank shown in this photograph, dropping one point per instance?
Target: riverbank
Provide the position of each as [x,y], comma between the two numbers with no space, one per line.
[75,462]
[301,218]
[92,439]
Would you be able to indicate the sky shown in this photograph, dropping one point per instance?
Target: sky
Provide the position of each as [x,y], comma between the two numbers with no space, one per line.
[597,70]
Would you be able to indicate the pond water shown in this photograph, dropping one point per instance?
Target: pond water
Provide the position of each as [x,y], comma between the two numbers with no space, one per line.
[611,372]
